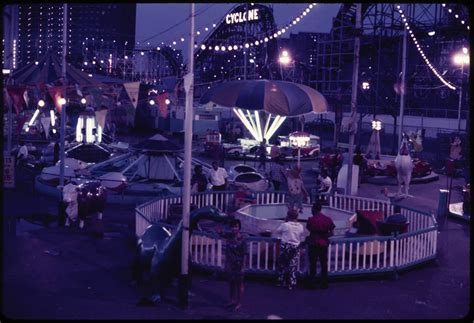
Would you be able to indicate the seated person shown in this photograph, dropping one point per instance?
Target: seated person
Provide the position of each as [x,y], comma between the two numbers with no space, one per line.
[22,155]
[325,182]
[395,223]
[396,217]
[325,185]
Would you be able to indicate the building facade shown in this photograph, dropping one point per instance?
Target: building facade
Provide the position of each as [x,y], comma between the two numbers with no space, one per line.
[40,28]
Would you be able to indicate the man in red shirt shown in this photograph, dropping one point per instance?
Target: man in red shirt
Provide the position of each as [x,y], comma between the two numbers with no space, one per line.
[321,228]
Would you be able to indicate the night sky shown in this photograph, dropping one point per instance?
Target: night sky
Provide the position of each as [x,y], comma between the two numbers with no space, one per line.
[153,19]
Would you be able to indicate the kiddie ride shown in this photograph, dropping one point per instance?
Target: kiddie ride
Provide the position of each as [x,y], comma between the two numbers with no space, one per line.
[311,149]
[244,148]
[213,141]
[385,167]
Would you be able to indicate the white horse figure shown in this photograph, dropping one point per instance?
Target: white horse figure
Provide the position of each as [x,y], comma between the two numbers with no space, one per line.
[404,166]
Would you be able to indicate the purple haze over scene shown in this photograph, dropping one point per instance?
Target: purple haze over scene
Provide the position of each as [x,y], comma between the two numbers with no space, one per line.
[156,19]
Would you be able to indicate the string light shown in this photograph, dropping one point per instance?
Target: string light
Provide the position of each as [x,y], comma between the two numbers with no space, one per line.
[258,41]
[449,85]
[456,16]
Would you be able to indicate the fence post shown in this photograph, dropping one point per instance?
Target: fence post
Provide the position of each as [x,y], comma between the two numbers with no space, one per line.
[395,252]
[442,206]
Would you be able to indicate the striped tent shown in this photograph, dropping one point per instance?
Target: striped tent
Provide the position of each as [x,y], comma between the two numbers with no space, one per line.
[48,70]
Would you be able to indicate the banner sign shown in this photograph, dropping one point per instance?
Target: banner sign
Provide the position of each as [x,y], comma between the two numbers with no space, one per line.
[238,17]
[8,171]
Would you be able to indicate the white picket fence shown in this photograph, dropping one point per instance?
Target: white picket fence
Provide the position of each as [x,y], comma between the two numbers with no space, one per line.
[347,256]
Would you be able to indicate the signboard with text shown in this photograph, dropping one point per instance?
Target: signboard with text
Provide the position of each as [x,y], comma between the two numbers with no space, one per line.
[239,17]
[8,172]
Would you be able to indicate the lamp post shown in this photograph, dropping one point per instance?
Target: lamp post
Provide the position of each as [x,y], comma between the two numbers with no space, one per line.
[374,142]
[284,59]
[461,59]
[299,139]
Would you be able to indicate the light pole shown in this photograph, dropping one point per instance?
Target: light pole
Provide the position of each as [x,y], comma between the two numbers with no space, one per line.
[461,59]
[284,59]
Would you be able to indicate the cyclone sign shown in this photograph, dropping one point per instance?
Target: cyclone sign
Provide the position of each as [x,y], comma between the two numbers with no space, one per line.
[238,17]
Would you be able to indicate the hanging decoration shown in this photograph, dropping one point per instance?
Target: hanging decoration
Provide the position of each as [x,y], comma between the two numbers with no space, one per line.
[162,104]
[261,41]
[235,47]
[56,94]
[457,16]
[418,47]
[132,91]
[16,95]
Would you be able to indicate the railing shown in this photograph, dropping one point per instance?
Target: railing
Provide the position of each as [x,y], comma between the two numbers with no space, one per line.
[347,255]
[158,209]
[353,203]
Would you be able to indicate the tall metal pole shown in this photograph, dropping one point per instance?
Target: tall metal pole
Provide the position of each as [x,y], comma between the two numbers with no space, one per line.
[245,42]
[355,87]
[188,127]
[460,97]
[403,80]
[63,108]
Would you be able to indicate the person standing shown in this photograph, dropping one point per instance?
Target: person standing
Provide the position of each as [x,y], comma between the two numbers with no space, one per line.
[56,152]
[360,161]
[218,177]
[277,173]
[22,155]
[291,234]
[199,180]
[297,192]
[262,155]
[236,252]
[320,228]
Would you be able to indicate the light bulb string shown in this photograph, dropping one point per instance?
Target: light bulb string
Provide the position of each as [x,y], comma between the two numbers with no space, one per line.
[276,33]
[223,48]
[463,22]
[418,47]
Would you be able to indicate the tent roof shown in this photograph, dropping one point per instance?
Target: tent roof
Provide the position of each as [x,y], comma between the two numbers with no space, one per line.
[49,70]
[108,79]
[158,143]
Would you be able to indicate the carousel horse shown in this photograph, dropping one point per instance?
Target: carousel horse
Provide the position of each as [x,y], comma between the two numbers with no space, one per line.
[416,141]
[83,200]
[404,166]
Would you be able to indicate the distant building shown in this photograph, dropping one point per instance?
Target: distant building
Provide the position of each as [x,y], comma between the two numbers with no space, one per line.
[40,28]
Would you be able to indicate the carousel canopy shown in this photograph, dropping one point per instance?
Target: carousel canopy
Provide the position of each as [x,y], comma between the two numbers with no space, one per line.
[279,99]
[49,70]
[275,97]
[158,143]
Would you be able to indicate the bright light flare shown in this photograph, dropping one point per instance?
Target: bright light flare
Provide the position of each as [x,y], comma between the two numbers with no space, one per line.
[461,59]
[34,117]
[53,117]
[377,125]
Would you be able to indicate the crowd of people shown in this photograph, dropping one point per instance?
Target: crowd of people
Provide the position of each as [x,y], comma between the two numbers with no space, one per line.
[294,241]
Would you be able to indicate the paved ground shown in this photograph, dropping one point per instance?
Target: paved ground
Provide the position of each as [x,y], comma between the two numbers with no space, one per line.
[51,272]
[64,273]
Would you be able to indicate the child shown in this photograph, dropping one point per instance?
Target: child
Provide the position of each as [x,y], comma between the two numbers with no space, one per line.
[235,257]
[297,192]
[292,235]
